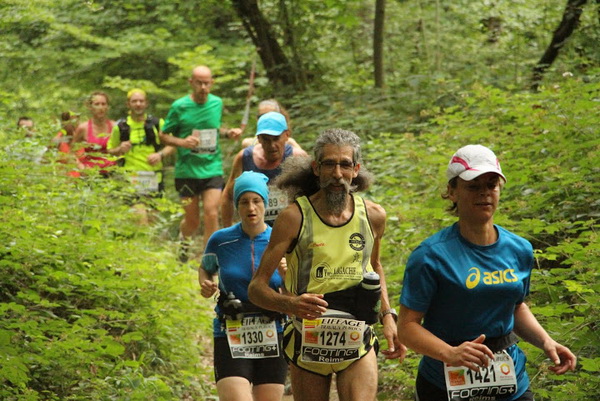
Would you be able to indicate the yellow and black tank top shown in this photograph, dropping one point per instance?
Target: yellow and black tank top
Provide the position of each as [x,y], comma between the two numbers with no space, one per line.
[329,258]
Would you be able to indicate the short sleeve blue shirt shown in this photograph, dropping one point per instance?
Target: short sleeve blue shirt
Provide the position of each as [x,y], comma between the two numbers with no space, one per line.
[234,256]
[466,290]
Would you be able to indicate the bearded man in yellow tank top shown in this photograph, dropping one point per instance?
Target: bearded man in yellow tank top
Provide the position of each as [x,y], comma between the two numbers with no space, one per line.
[331,238]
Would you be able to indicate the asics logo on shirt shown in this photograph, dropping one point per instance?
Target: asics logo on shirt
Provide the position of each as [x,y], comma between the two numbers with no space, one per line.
[489,278]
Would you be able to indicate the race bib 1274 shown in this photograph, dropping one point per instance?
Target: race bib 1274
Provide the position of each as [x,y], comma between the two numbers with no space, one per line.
[331,339]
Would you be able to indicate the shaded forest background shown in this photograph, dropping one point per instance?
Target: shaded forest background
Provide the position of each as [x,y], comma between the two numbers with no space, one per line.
[95,307]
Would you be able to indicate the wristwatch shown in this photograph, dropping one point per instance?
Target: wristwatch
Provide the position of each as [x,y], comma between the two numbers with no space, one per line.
[385,312]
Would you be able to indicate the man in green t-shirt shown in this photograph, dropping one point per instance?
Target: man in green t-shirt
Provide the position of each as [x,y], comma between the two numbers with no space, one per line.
[193,125]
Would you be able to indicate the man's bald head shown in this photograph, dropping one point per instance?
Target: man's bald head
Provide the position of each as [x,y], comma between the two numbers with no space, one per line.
[201,71]
[201,81]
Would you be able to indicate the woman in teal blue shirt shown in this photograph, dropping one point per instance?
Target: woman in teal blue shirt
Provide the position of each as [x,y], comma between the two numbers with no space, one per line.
[462,302]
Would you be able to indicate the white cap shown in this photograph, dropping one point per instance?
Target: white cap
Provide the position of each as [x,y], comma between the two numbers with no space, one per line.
[471,161]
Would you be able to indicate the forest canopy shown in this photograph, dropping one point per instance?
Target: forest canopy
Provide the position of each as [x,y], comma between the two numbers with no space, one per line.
[62,50]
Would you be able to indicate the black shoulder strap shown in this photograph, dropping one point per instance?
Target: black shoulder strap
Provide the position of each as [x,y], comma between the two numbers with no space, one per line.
[124,129]
[151,127]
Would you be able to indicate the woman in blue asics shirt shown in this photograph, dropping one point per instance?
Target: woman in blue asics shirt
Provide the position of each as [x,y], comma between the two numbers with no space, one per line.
[462,302]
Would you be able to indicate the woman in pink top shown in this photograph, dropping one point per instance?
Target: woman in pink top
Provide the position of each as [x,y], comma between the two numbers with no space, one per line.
[95,133]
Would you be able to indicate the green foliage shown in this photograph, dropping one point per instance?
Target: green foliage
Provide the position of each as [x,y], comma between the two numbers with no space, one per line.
[92,305]
[70,48]
[497,43]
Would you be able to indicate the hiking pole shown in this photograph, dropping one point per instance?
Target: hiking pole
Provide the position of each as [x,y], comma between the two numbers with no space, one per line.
[246,116]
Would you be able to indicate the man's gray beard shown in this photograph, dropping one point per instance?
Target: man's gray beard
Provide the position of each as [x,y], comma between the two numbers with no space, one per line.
[336,201]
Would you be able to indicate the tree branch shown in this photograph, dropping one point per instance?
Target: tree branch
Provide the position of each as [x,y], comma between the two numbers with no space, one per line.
[569,22]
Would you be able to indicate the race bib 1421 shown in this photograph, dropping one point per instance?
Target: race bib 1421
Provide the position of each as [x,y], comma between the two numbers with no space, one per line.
[493,382]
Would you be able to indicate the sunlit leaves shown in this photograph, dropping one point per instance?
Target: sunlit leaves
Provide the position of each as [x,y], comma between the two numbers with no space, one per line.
[87,296]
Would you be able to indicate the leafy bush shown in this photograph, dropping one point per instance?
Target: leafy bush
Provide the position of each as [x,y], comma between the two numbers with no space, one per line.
[92,305]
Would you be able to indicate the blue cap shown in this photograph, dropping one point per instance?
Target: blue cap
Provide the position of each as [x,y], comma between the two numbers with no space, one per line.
[250,181]
[271,123]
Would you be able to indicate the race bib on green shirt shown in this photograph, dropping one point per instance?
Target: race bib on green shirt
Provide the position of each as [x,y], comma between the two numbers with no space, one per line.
[208,140]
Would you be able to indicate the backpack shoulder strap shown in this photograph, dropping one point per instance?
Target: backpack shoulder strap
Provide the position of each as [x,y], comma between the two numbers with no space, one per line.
[124,129]
[151,127]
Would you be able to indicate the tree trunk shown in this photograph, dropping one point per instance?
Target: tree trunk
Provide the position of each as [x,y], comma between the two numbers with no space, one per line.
[290,42]
[569,22]
[378,42]
[278,67]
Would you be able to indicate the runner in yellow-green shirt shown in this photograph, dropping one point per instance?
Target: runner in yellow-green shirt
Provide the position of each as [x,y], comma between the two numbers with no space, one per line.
[335,284]
[136,140]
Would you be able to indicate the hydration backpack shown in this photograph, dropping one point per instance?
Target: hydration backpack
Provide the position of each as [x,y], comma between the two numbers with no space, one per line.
[151,127]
